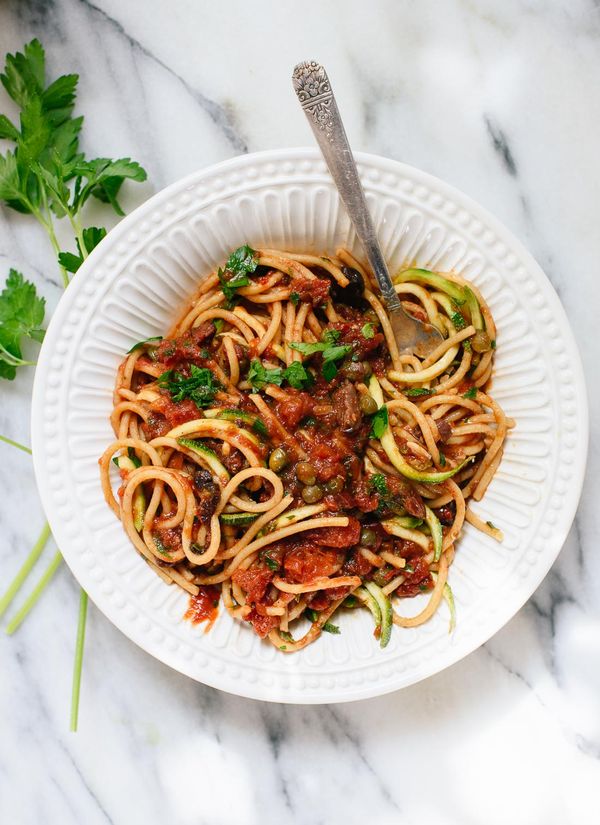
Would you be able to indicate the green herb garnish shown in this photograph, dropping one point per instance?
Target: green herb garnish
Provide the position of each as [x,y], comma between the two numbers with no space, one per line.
[240,264]
[458,321]
[272,564]
[258,375]
[295,298]
[491,525]
[298,376]
[140,344]
[311,614]
[201,386]
[368,331]
[470,393]
[378,483]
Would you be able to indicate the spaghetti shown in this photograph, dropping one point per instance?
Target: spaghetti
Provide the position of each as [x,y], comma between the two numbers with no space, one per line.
[276,449]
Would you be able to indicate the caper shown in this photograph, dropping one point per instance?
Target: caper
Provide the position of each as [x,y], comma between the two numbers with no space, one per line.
[312,493]
[306,473]
[335,485]
[368,537]
[353,370]
[278,460]
[481,341]
[368,404]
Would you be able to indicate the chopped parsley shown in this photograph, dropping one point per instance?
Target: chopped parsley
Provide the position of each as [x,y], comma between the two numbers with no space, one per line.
[329,349]
[379,422]
[140,344]
[491,525]
[442,460]
[287,637]
[458,321]
[272,564]
[470,393]
[493,343]
[368,331]
[467,344]
[240,264]
[295,298]
[201,386]
[311,614]
[379,484]
[296,375]
[258,375]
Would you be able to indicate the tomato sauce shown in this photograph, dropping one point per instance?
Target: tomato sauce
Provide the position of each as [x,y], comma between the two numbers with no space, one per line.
[204,607]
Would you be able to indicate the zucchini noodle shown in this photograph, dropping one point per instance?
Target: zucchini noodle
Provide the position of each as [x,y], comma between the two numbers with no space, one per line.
[275,449]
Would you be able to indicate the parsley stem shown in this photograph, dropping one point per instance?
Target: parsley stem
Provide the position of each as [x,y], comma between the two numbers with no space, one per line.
[77,229]
[32,599]
[15,444]
[56,247]
[26,568]
[77,665]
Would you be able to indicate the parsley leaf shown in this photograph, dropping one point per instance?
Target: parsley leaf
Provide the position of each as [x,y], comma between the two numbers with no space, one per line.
[201,387]
[295,298]
[240,263]
[470,393]
[493,343]
[378,483]
[458,321]
[46,173]
[491,525]
[258,375]
[442,460]
[140,344]
[311,614]
[298,376]
[331,628]
[21,315]
[242,259]
[415,392]
[91,238]
[379,422]
[368,331]
[329,348]
[272,564]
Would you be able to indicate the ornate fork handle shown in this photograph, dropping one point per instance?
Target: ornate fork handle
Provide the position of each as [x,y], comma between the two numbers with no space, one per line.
[315,94]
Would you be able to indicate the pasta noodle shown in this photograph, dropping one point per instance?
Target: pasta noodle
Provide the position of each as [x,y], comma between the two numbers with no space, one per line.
[278,450]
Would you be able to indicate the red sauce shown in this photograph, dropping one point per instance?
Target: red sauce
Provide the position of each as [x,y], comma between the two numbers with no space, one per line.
[313,290]
[204,606]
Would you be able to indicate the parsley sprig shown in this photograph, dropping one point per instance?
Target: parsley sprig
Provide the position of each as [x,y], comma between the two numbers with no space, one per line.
[45,174]
[296,375]
[21,316]
[331,351]
[200,386]
[241,263]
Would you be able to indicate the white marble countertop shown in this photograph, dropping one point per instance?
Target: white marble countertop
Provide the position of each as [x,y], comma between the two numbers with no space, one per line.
[501,100]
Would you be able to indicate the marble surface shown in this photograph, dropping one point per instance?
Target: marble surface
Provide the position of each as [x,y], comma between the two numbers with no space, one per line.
[500,99]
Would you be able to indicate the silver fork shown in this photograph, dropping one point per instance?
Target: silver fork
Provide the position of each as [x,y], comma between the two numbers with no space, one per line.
[315,94]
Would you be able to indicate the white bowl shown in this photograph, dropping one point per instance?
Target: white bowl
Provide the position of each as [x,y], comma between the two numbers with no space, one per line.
[135,284]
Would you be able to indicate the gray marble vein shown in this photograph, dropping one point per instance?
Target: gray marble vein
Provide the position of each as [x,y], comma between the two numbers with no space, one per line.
[500,99]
